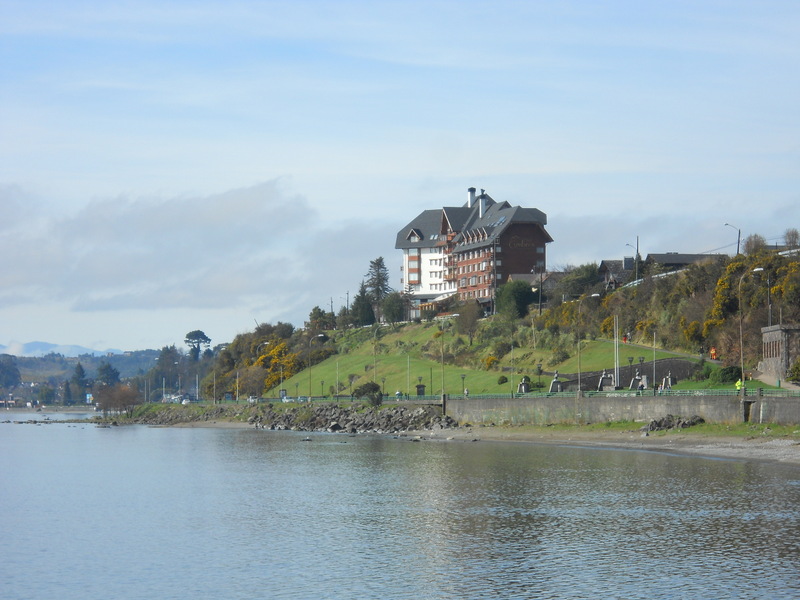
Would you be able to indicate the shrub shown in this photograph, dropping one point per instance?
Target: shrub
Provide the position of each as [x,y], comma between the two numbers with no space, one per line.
[794,372]
[369,391]
[502,379]
[727,375]
[502,348]
[489,362]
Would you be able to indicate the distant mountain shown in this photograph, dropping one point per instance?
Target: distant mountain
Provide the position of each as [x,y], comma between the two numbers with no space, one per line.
[44,348]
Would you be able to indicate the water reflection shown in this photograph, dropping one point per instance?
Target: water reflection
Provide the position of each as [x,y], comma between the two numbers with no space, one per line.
[211,513]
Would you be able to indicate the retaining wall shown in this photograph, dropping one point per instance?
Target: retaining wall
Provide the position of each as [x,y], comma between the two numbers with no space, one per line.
[621,407]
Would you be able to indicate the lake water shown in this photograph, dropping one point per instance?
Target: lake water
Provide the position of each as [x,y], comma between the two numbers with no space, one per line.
[157,513]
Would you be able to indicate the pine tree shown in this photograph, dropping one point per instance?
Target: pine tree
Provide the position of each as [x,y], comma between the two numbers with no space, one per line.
[361,310]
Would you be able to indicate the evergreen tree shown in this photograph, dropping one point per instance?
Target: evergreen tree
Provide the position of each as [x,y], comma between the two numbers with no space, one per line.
[361,310]
[195,339]
[378,280]
[79,378]
[68,399]
[393,307]
[9,372]
[514,298]
[107,375]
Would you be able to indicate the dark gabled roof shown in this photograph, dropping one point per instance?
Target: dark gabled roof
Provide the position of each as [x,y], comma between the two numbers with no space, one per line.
[477,225]
[427,226]
[482,230]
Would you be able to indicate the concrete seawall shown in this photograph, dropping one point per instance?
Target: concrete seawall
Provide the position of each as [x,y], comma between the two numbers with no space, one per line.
[624,406]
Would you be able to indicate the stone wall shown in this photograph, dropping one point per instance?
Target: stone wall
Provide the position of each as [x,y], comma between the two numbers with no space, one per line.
[584,409]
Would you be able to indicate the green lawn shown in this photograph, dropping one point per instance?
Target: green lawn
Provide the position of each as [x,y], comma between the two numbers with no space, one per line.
[398,365]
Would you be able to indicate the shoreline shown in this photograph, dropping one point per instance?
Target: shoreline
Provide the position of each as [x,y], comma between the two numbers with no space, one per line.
[784,451]
[683,442]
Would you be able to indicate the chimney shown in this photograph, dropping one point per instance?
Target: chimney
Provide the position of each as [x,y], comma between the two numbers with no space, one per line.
[481,204]
[471,197]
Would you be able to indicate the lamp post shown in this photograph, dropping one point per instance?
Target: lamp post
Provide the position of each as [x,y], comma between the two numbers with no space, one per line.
[738,236]
[463,379]
[311,339]
[769,299]
[580,323]
[630,368]
[741,326]
[539,374]
[322,388]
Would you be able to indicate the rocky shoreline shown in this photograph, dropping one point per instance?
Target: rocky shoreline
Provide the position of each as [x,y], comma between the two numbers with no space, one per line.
[314,417]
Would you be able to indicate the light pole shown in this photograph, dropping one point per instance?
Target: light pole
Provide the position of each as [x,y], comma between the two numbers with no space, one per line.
[738,236]
[463,380]
[580,322]
[311,339]
[741,327]
[322,388]
[539,374]
[769,298]
[630,368]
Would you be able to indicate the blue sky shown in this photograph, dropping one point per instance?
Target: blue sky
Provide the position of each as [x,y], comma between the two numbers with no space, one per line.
[171,166]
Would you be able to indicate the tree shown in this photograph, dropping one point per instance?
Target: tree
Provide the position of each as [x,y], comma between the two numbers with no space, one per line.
[361,309]
[107,375]
[9,372]
[378,280]
[514,298]
[119,398]
[68,399]
[371,391]
[753,244]
[469,315]
[791,238]
[79,377]
[393,307]
[319,320]
[195,339]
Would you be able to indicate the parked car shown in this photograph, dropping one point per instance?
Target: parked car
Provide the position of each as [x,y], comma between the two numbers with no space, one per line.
[303,399]
[287,399]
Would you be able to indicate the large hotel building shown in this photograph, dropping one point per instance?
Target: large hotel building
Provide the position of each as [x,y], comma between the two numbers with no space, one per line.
[470,250]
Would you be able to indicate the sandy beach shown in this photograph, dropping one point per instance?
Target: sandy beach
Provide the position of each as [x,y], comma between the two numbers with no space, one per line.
[755,448]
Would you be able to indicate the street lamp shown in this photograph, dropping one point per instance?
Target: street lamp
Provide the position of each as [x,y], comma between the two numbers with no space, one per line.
[769,297]
[738,236]
[539,374]
[580,322]
[311,339]
[322,388]
[463,379]
[741,325]
[630,368]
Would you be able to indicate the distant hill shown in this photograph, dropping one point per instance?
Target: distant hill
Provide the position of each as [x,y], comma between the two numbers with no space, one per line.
[35,349]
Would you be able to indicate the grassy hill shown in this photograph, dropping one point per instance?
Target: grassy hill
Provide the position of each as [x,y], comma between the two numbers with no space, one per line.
[398,356]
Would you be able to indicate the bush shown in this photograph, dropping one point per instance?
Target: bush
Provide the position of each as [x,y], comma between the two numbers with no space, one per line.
[369,391]
[559,355]
[727,375]
[502,348]
[502,379]
[794,372]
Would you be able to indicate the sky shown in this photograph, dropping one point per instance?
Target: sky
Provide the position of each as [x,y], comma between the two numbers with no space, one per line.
[173,166]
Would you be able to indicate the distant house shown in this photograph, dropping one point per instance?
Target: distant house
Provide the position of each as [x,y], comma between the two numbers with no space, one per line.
[616,273]
[468,251]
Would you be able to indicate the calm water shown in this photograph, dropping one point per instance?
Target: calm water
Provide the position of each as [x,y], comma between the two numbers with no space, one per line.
[138,512]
